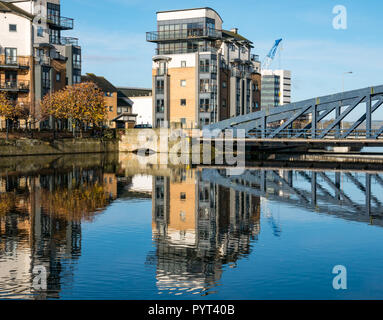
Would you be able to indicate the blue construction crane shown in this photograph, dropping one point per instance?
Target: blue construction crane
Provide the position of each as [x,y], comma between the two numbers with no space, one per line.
[271,55]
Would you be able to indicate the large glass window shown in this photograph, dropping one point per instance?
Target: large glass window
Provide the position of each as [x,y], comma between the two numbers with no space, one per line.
[10,55]
[53,13]
[77,61]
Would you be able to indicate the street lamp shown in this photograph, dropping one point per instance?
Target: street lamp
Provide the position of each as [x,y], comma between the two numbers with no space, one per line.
[344,73]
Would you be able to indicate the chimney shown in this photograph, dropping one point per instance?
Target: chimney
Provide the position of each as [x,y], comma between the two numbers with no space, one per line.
[234,30]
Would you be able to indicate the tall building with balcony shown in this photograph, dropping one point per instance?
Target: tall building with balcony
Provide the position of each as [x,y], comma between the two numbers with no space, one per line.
[201,73]
[199,227]
[35,57]
[276,88]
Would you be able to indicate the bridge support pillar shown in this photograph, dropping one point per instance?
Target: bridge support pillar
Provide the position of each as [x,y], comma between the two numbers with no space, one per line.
[368,194]
[264,126]
[337,184]
[314,188]
[338,111]
[368,118]
[314,122]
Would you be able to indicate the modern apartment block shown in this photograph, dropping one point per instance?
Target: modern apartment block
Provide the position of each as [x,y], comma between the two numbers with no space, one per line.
[201,73]
[35,58]
[210,225]
[276,88]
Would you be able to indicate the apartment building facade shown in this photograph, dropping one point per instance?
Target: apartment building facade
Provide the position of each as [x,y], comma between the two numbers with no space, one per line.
[199,227]
[201,73]
[276,88]
[35,59]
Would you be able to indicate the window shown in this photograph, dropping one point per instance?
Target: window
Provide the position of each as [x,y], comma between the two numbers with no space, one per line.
[224,84]
[54,36]
[204,105]
[40,32]
[160,105]
[183,102]
[160,86]
[183,64]
[11,55]
[183,83]
[204,65]
[76,79]
[77,61]
[12,28]
[183,196]
[53,12]
[58,77]
[111,109]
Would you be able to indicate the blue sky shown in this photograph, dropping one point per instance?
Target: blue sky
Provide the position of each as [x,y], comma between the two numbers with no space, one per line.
[112,34]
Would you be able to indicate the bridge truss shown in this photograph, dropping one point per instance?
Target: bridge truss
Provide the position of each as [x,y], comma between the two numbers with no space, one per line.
[305,119]
[346,194]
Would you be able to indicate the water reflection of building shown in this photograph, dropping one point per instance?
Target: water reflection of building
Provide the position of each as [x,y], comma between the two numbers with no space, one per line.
[40,225]
[198,228]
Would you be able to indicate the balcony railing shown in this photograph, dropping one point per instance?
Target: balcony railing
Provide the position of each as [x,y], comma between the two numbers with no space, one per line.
[206,108]
[62,23]
[14,86]
[184,34]
[159,90]
[64,41]
[208,69]
[163,51]
[254,57]
[14,62]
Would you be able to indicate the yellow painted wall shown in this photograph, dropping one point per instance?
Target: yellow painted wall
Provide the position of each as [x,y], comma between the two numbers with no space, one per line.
[187,206]
[177,93]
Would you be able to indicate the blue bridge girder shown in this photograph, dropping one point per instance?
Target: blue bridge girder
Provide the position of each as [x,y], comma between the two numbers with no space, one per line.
[278,122]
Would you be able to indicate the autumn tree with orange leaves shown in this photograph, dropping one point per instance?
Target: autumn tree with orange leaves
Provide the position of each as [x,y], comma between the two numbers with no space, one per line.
[11,111]
[83,103]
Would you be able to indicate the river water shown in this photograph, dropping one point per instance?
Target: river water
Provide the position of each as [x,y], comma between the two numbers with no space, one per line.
[112,228]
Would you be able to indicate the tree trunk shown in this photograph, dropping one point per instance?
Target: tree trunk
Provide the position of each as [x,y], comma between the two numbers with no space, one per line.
[7,126]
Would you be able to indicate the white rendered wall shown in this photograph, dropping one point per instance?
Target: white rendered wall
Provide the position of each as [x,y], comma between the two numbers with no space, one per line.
[143,107]
[176,59]
[190,14]
[142,183]
[21,39]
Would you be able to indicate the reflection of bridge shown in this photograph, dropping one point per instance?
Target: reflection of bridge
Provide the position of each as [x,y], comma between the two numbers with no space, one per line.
[314,190]
[280,124]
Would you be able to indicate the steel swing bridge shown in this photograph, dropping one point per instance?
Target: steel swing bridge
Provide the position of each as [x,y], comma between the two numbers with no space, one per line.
[278,123]
[345,194]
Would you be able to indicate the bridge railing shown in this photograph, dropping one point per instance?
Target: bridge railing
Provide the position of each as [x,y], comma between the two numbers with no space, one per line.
[312,134]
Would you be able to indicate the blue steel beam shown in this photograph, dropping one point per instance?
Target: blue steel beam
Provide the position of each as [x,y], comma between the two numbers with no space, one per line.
[341,116]
[362,119]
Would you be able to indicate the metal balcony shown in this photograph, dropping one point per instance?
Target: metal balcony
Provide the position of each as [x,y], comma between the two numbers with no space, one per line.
[14,62]
[62,23]
[255,58]
[63,41]
[185,34]
[14,86]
